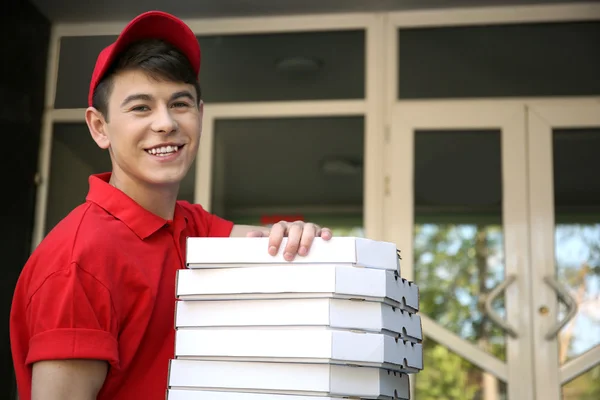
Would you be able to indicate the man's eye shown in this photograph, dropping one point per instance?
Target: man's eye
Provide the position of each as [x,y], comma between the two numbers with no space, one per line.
[180,104]
[140,108]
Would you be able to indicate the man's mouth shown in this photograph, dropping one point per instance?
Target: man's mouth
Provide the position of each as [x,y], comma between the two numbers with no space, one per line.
[164,150]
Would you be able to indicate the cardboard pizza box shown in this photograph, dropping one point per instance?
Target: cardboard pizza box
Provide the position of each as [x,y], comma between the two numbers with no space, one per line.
[191,394]
[285,378]
[308,345]
[365,316]
[211,252]
[298,281]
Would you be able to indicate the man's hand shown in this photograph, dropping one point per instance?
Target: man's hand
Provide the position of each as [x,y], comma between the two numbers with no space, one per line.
[300,237]
[67,379]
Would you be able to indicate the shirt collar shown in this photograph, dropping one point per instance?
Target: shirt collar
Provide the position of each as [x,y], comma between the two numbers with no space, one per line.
[141,221]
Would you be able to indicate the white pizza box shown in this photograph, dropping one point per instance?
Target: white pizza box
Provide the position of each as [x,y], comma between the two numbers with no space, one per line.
[216,252]
[366,316]
[297,281]
[286,378]
[191,394]
[300,346]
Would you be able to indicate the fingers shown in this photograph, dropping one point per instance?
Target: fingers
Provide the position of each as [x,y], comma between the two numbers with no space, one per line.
[278,231]
[325,234]
[296,232]
[255,234]
[300,237]
[306,237]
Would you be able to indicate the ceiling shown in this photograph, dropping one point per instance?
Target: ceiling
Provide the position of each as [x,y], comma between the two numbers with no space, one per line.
[107,10]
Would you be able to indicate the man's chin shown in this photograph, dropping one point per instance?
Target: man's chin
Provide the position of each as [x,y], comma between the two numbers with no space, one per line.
[165,180]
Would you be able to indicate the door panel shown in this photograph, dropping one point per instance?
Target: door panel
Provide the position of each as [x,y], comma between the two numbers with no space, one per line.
[564,143]
[457,201]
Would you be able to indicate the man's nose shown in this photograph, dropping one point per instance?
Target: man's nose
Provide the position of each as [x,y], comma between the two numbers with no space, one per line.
[164,121]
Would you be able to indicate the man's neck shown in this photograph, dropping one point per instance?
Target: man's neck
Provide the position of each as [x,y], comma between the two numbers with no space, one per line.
[156,199]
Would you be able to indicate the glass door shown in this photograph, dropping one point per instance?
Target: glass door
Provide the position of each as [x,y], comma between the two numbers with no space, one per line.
[564,167]
[457,208]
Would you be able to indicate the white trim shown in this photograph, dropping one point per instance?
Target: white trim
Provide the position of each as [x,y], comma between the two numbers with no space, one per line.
[204,163]
[509,118]
[281,109]
[464,349]
[67,115]
[519,351]
[567,113]
[52,68]
[390,94]
[543,118]
[580,365]
[374,127]
[45,149]
[496,15]
[239,25]
[502,102]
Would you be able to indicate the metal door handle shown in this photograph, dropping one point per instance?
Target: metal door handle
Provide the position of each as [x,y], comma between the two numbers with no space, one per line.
[496,319]
[570,302]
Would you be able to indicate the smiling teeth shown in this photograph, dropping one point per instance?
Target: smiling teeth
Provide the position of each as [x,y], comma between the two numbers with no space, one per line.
[163,151]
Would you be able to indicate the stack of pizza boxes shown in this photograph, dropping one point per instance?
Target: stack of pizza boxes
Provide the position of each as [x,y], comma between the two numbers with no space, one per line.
[340,322]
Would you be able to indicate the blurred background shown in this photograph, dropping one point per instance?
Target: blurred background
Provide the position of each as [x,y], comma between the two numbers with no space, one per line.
[467,132]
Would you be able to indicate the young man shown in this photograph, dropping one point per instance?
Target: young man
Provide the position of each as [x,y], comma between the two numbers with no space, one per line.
[92,315]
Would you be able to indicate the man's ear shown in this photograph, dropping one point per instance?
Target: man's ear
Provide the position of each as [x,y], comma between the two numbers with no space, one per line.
[97,126]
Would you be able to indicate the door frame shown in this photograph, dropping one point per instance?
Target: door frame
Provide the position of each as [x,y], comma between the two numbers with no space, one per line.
[543,118]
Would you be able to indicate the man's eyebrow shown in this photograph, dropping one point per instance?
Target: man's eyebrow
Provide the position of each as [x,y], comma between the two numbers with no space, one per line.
[183,93]
[136,96]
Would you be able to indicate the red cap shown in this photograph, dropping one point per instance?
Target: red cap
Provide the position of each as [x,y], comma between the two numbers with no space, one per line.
[149,25]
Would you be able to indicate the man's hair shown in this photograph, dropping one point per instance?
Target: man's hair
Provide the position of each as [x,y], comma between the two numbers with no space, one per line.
[158,59]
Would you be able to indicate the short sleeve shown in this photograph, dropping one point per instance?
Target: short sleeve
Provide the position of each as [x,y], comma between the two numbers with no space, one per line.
[72,316]
[209,225]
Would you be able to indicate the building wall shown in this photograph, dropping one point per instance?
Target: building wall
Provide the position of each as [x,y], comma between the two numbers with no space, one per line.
[24,39]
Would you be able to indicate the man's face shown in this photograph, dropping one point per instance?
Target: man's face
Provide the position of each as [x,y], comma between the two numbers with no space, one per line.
[153,130]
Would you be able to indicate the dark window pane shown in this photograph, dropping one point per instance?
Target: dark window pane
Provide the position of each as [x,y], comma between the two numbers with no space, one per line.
[457,171]
[244,68]
[552,59]
[76,63]
[288,162]
[576,166]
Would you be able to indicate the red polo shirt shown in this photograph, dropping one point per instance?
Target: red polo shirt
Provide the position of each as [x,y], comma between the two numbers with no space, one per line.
[101,286]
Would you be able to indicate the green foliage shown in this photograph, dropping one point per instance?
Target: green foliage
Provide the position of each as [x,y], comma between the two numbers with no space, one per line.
[455,266]
[446,376]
